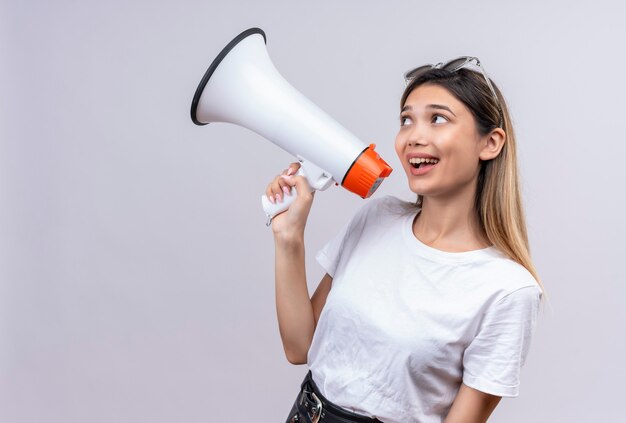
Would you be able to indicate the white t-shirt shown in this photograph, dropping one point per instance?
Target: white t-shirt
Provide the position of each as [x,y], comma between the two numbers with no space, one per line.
[404,323]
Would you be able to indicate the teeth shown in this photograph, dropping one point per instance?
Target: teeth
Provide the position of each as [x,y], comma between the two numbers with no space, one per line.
[418,160]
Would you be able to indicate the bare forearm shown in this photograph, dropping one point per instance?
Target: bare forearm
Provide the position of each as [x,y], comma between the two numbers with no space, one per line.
[471,406]
[293,304]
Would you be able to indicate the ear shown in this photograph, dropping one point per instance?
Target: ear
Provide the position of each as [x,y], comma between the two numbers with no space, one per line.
[492,144]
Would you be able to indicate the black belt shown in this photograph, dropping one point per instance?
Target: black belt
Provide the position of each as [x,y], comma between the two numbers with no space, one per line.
[312,407]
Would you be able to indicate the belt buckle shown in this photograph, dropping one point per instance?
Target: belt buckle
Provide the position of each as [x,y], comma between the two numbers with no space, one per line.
[313,410]
[317,411]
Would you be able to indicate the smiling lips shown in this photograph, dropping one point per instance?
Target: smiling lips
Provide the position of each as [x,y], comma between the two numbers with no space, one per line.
[422,163]
[417,162]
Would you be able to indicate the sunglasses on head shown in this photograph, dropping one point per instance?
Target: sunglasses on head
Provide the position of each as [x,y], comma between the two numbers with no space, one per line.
[454,66]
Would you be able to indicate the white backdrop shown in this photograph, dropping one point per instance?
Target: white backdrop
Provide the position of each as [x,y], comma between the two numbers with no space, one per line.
[136,272]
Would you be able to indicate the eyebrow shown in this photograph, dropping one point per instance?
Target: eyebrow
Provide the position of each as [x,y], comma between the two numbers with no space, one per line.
[430,106]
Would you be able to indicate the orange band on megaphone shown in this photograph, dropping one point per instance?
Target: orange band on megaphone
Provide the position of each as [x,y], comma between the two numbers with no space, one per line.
[366,173]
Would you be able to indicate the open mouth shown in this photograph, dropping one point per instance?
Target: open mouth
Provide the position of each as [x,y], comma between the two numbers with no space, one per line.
[418,162]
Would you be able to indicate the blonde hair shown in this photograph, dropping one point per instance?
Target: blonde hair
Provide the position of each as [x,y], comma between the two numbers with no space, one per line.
[498,202]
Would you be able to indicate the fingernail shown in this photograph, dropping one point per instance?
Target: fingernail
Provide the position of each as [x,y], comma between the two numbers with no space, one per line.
[271,198]
[289,171]
[278,197]
[286,190]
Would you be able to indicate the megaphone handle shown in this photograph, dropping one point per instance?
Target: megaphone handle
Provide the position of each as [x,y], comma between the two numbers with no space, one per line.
[273,209]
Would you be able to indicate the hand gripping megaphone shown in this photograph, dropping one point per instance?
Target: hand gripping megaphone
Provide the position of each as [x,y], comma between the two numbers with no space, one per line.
[243,87]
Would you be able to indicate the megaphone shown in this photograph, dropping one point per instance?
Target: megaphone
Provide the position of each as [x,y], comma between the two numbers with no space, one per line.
[243,87]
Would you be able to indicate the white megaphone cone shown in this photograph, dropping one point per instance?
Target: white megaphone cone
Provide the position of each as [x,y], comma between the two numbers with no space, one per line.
[243,87]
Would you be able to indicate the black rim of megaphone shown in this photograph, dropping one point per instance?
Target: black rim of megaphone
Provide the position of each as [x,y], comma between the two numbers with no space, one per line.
[214,65]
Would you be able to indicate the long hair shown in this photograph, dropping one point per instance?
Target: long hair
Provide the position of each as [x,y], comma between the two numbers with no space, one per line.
[498,202]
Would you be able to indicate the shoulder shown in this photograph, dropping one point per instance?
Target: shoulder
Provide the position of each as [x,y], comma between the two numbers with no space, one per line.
[513,280]
[376,217]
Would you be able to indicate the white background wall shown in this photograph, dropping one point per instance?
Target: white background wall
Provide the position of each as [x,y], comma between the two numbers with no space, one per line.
[136,272]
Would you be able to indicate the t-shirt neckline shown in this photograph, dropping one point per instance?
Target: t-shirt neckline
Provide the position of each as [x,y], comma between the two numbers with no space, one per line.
[437,255]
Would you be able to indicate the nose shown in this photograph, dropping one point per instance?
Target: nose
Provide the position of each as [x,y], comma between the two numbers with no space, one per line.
[416,137]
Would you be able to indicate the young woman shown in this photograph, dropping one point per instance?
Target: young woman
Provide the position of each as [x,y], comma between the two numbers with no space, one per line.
[427,309]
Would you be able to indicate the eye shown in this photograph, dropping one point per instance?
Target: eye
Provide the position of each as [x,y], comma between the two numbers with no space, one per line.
[405,120]
[439,119]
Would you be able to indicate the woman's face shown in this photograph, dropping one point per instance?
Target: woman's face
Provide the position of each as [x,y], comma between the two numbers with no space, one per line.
[434,124]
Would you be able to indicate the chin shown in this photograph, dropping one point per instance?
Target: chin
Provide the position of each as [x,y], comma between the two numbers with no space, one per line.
[419,189]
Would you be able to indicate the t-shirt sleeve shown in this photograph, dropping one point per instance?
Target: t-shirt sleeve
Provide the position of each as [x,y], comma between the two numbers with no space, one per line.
[492,362]
[341,245]
[328,257]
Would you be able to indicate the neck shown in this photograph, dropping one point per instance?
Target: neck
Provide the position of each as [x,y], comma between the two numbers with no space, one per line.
[450,223]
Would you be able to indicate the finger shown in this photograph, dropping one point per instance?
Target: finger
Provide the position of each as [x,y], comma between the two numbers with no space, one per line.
[299,183]
[270,194]
[284,186]
[275,190]
[280,188]
[289,180]
[293,168]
